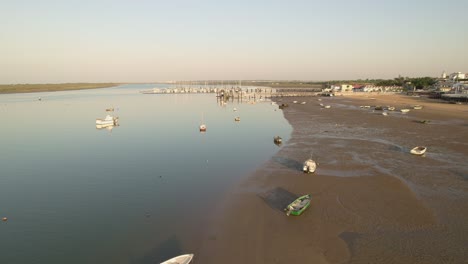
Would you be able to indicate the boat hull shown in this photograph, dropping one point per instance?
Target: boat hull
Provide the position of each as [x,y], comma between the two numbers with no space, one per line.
[291,210]
[182,259]
[418,151]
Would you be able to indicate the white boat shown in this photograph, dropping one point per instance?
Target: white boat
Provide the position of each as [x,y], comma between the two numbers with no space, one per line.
[405,110]
[391,108]
[303,103]
[182,259]
[385,113]
[419,150]
[417,107]
[327,106]
[202,128]
[294,102]
[108,120]
[309,166]
[235,109]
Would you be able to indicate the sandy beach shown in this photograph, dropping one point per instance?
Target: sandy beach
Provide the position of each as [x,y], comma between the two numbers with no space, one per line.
[372,201]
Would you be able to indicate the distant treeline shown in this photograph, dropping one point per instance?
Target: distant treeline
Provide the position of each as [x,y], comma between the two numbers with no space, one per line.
[32,88]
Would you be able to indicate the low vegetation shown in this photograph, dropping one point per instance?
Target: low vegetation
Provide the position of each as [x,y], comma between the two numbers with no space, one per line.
[32,88]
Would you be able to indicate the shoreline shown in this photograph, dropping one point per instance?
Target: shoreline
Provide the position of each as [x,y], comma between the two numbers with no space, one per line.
[372,201]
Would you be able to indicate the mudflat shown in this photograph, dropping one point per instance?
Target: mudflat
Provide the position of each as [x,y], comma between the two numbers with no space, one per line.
[372,201]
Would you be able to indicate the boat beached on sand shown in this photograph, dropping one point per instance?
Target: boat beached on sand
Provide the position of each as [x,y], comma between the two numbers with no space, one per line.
[309,166]
[182,259]
[419,150]
[298,206]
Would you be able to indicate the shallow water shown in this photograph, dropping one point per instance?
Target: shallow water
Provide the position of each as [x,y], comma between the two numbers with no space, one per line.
[133,194]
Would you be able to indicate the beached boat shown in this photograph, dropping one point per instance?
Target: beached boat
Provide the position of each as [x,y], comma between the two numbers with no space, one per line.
[379,108]
[182,259]
[419,150]
[417,107]
[237,119]
[283,106]
[298,206]
[405,110]
[277,140]
[108,120]
[309,166]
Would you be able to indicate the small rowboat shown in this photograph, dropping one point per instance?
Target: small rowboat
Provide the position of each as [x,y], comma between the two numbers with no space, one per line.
[278,140]
[309,166]
[405,110]
[298,206]
[182,259]
[419,150]
[203,128]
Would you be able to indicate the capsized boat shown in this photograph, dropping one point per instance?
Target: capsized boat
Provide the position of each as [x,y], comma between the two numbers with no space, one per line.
[298,206]
[309,166]
[419,150]
[108,120]
[182,259]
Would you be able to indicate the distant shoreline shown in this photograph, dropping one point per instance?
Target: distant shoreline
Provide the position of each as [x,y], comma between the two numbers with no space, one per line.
[55,87]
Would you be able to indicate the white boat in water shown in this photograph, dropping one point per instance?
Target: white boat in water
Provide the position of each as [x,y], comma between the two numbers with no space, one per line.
[202,128]
[419,150]
[108,120]
[182,259]
[309,166]
[404,110]
[327,106]
[417,107]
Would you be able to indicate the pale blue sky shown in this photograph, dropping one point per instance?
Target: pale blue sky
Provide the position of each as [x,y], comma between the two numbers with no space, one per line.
[142,41]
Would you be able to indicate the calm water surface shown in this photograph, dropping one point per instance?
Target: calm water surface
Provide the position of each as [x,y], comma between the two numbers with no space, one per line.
[133,194]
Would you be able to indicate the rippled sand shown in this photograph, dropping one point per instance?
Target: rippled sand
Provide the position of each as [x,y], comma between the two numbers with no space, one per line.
[373,202]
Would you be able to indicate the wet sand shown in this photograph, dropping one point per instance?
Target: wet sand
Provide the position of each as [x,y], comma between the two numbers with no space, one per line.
[372,201]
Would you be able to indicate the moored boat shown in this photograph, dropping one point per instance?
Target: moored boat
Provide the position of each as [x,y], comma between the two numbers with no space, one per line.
[108,120]
[298,206]
[405,110]
[182,259]
[202,128]
[277,140]
[419,150]
[309,166]
[417,107]
[327,106]
[237,119]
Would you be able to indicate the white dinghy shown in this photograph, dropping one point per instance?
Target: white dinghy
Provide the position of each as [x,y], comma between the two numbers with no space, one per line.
[182,259]
[419,150]
[309,166]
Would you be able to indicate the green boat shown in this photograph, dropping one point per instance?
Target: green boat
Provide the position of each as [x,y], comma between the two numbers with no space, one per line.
[298,206]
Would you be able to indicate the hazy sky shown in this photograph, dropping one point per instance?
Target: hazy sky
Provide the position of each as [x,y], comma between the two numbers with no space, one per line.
[142,41]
